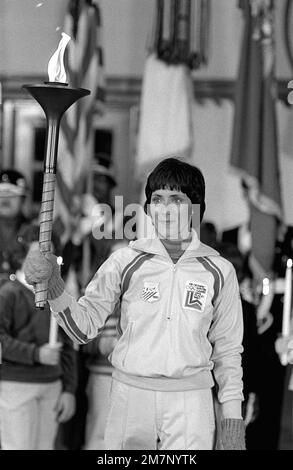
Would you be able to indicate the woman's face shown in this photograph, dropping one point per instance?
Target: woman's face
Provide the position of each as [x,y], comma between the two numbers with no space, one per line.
[10,206]
[171,212]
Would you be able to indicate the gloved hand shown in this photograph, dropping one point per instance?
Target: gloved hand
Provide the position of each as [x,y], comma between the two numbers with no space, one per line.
[39,268]
[232,434]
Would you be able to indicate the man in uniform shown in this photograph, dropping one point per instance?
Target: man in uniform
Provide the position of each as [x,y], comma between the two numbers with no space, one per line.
[13,189]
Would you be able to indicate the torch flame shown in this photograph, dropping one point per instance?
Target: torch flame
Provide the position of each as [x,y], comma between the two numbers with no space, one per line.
[56,70]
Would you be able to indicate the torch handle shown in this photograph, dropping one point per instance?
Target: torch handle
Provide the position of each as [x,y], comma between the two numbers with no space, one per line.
[46,223]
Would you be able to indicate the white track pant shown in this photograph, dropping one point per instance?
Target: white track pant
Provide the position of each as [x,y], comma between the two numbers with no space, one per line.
[98,391]
[28,416]
[151,420]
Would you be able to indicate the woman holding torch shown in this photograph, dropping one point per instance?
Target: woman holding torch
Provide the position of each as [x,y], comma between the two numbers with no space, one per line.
[180,318]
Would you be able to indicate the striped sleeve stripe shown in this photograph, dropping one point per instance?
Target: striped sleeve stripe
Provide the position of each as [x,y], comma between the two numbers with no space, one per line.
[126,277]
[117,316]
[216,275]
[128,266]
[132,268]
[218,269]
[71,326]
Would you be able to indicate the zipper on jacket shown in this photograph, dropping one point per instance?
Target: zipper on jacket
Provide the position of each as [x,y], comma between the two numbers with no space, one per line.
[169,313]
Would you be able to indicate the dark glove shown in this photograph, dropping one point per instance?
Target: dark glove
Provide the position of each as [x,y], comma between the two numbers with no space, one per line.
[232,434]
[39,268]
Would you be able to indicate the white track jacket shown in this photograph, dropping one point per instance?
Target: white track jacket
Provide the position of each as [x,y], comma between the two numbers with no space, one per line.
[180,325]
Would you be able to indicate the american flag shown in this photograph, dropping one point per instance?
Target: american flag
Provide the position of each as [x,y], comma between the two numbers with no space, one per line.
[255,144]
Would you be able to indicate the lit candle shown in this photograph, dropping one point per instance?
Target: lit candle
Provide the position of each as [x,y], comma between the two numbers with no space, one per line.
[263,315]
[287,306]
[53,334]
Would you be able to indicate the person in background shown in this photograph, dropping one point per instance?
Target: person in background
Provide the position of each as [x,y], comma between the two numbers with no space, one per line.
[37,380]
[13,190]
[251,343]
[103,183]
[180,325]
[264,433]
[13,217]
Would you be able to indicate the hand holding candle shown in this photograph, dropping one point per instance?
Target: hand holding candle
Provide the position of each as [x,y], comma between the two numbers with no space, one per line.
[287,307]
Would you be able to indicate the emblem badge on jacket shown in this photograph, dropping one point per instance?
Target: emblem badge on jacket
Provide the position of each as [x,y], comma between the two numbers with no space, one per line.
[195,296]
[150,292]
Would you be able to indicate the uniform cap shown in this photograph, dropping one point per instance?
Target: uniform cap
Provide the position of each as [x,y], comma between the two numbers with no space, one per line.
[12,183]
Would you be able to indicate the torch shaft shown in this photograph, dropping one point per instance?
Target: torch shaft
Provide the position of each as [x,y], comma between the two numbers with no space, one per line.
[46,222]
[47,205]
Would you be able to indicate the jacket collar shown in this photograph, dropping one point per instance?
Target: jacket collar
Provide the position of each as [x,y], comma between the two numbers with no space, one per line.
[155,246]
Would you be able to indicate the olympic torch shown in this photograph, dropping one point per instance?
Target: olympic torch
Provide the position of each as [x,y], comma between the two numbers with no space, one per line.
[55,97]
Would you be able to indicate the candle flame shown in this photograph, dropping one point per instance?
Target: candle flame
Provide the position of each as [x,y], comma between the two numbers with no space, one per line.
[56,70]
[289,263]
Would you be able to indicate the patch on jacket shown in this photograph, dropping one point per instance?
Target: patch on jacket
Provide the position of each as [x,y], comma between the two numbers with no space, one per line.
[195,296]
[150,292]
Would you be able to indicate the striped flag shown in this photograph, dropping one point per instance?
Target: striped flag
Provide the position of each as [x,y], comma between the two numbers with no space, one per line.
[84,67]
[255,143]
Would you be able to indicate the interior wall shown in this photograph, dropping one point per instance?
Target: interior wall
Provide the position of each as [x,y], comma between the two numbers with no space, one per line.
[28,35]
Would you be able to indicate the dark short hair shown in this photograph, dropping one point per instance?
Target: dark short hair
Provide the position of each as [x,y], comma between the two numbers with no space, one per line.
[174,174]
